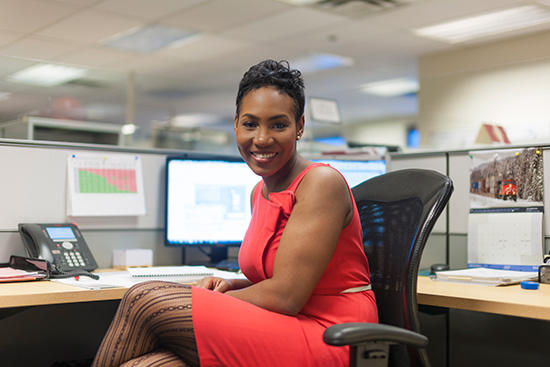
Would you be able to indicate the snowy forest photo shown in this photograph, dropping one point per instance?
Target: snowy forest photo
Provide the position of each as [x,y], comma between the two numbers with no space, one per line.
[506,178]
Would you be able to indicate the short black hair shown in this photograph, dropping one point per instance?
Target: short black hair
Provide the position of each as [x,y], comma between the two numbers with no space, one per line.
[270,73]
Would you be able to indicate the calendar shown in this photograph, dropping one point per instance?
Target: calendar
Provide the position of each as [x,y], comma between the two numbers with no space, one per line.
[505,240]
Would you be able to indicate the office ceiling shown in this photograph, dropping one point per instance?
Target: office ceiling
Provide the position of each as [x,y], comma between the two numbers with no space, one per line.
[201,77]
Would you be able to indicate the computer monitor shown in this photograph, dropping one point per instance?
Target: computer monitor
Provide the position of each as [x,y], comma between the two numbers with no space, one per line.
[207,202]
[356,171]
[207,199]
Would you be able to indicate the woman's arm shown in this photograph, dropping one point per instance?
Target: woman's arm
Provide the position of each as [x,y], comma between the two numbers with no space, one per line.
[323,207]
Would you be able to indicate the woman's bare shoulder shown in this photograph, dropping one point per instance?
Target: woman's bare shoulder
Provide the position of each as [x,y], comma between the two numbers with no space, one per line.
[324,179]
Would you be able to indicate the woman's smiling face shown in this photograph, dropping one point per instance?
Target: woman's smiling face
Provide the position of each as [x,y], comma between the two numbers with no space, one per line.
[266,131]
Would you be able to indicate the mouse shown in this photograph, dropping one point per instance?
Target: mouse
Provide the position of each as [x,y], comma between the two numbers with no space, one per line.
[439,267]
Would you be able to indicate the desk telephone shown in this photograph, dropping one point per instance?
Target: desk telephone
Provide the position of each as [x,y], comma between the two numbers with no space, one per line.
[61,244]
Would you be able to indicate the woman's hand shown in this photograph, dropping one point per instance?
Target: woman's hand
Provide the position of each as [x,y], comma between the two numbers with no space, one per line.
[216,284]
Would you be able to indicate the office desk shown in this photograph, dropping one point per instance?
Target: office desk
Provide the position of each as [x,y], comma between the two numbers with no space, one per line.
[508,300]
[24,306]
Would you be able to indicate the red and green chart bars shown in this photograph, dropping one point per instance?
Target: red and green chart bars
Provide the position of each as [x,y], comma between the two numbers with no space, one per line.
[106,181]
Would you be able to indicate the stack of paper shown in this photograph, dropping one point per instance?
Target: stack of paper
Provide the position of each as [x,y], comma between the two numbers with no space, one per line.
[485,276]
[12,275]
[198,271]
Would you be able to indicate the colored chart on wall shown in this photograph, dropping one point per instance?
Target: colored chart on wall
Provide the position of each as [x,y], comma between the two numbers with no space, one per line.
[106,181]
[100,185]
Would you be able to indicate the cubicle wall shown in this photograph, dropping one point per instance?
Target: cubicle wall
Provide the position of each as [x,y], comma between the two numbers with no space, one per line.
[34,181]
[453,224]
[465,338]
[33,189]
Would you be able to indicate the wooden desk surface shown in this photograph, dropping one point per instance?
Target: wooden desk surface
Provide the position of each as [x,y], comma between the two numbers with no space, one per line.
[508,300]
[20,294]
[505,300]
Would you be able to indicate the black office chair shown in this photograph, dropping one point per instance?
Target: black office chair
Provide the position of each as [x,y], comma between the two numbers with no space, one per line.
[398,211]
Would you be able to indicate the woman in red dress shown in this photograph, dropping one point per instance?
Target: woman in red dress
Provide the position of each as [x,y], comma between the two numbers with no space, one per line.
[302,256]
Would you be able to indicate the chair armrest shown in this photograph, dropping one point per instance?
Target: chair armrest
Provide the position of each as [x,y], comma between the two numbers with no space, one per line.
[353,333]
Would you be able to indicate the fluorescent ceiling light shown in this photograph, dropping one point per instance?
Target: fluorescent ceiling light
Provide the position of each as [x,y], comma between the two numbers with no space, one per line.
[149,38]
[128,129]
[391,88]
[46,75]
[318,62]
[487,24]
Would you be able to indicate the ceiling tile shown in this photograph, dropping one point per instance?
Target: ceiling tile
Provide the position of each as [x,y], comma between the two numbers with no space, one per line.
[148,64]
[146,8]
[15,14]
[285,24]
[219,14]
[244,60]
[89,26]
[349,39]
[10,65]
[95,57]
[80,3]
[39,48]
[7,37]
[205,47]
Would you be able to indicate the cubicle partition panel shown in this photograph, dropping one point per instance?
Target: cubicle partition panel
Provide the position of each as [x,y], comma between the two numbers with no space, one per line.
[458,337]
[454,223]
[34,189]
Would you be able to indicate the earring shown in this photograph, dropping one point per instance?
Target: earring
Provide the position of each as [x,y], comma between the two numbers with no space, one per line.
[298,137]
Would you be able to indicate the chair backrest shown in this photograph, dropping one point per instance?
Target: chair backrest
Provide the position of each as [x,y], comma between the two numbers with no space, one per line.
[398,211]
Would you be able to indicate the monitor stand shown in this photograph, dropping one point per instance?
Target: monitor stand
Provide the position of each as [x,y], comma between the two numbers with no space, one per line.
[217,254]
[218,258]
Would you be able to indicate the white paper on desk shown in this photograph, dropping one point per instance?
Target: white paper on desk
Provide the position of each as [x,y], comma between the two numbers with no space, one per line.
[106,280]
[126,280]
[485,276]
[105,185]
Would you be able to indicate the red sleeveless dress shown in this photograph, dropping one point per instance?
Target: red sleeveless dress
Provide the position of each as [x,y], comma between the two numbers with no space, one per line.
[230,332]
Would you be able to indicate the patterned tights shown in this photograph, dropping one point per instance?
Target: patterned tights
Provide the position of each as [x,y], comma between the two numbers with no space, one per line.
[152,327]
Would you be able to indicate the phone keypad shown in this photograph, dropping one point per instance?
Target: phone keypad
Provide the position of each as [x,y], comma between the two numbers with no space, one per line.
[74,259]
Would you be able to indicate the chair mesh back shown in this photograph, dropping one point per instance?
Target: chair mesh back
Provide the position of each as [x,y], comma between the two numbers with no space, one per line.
[389,229]
[398,211]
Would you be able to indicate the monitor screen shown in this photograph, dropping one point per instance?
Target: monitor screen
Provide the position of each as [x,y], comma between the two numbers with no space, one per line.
[355,171]
[207,200]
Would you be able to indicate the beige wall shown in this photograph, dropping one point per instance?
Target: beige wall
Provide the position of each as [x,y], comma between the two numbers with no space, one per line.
[505,83]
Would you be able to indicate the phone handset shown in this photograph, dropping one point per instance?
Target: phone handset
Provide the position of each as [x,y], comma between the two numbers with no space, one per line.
[61,244]
[35,242]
